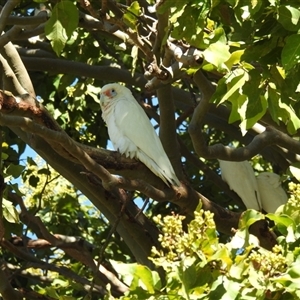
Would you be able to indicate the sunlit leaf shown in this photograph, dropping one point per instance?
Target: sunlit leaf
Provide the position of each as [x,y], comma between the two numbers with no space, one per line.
[234,58]
[234,82]
[217,54]
[131,16]
[293,123]
[291,52]
[249,217]
[63,21]
[289,16]
[9,212]
[238,108]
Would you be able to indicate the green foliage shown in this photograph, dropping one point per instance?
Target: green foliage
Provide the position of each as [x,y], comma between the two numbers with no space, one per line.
[62,23]
[9,212]
[250,51]
[131,16]
[198,266]
[240,49]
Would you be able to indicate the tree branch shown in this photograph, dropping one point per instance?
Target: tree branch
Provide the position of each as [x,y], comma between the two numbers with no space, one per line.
[167,130]
[10,53]
[6,290]
[270,137]
[6,11]
[76,247]
[9,79]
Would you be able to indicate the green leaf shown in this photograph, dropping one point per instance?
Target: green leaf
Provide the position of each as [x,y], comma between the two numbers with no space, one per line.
[52,292]
[234,58]
[220,91]
[59,282]
[30,161]
[9,212]
[190,24]
[294,269]
[232,289]
[15,187]
[238,108]
[4,156]
[138,273]
[188,272]
[222,255]
[217,54]
[34,180]
[281,219]
[62,23]
[251,104]
[294,122]
[249,217]
[166,5]
[289,16]
[130,17]
[145,275]
[15,170]
[290,55]
[234,81]
[273,107]
[217,289]
[256,108]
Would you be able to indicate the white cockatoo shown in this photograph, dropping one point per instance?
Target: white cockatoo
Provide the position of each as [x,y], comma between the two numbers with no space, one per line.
[271,192]
[241,179]
[131,132]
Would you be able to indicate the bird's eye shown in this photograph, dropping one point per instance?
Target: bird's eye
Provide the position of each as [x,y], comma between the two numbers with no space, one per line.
[113,90]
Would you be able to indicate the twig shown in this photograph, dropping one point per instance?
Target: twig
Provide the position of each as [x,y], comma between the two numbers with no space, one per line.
[142,208]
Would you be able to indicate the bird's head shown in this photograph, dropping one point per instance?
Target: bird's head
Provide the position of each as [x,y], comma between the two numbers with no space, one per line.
[110,92]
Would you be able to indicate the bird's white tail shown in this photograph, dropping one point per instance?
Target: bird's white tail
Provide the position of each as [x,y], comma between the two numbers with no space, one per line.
[166,173]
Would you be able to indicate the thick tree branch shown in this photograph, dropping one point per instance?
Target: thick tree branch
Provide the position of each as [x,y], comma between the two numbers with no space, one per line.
[27,21]
[167,130]
[6,290]
[207,91]
[270,136]
[138,233]
[9,79]
[6,11]
[186,198]
[9,35]
[10,53]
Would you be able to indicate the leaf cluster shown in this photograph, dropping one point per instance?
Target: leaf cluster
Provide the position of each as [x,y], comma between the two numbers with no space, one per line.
[198,266]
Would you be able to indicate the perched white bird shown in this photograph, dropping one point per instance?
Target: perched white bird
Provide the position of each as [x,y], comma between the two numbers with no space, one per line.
[271,192]
[241,179]
[131,132]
